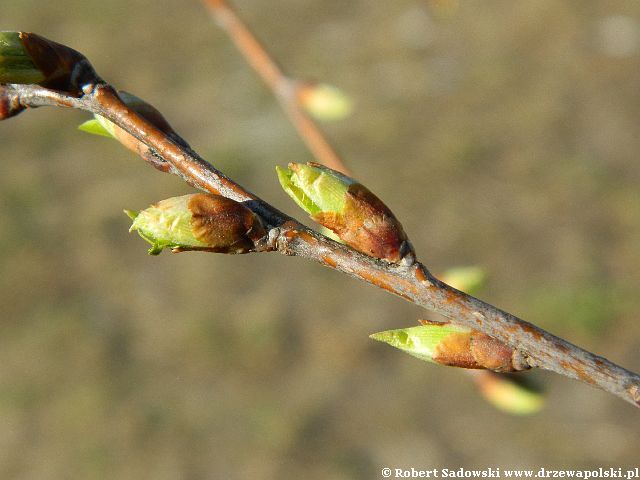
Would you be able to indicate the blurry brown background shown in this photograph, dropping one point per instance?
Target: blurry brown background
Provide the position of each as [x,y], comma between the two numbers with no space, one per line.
[503,134]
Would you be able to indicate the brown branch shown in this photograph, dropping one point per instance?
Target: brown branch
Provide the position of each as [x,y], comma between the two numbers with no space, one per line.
[286,90]
[413,283]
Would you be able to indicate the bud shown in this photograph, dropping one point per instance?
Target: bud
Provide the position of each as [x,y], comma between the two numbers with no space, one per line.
[199,221]
[512,395]
[29,58]
[101,126]
[466,279]
[16,65]
[454,346]
[324,102]
[347,208]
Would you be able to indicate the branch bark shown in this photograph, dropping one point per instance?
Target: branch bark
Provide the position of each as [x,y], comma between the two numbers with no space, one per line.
[414,283]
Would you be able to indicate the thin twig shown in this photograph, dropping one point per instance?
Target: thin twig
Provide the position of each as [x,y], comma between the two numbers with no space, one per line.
[286,90]
[413,283]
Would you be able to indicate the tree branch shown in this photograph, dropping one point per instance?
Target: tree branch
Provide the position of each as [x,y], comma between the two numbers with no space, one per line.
[536,347]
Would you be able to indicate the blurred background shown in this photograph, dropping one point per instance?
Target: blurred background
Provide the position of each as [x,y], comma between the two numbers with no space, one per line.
[503,134]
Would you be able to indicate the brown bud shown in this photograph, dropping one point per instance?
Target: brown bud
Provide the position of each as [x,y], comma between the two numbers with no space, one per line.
[367,225]
[224,224]
[454,346]
[198,222]
[492,354]
[349,209]
[63,68]
[475,349]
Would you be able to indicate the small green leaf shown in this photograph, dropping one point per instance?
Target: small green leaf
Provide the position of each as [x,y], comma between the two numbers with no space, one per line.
[98,126]
[95,127]
[132,214]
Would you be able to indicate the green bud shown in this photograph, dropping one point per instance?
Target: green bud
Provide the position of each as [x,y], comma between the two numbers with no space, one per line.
[454,346]
[16,65]
[510,395]
[198,222]
[348,209]
[466,279]
[29,58]
[324,102]
[315,188]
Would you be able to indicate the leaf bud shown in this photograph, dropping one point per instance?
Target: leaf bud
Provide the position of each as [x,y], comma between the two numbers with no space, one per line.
[324,102]
[454,346]
[349,209]
[198,221]
[27,58]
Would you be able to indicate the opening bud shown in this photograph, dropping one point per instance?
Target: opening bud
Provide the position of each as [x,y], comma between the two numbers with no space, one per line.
[347,208]
[324,102]
[29,58]
[454,346]
[199,221]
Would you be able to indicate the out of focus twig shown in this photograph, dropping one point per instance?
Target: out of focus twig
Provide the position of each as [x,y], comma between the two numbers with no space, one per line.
[286,89]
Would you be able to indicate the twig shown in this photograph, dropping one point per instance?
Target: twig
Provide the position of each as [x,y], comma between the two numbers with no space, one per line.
[414,283]
[285,89]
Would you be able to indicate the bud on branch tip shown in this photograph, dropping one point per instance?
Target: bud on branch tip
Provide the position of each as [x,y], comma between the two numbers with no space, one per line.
[29,58]
[347,208]
[198,222]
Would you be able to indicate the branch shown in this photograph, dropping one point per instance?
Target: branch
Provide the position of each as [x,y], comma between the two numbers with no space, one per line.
[411,281]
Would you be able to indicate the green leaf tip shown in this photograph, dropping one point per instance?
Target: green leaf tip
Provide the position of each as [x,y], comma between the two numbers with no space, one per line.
[315,188]
[16,65]
[97,126]
[421,341]
[132,214]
